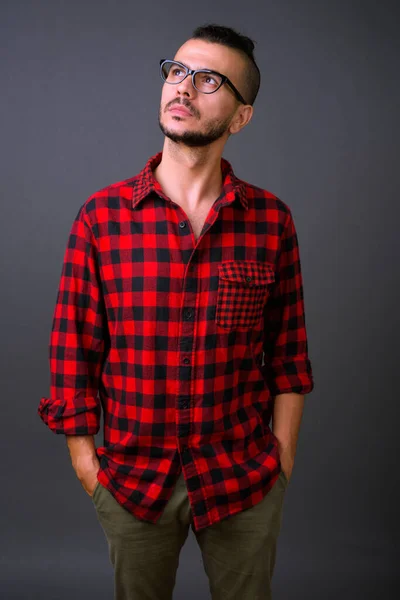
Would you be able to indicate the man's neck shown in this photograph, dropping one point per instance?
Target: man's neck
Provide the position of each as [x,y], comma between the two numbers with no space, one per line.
[190,176]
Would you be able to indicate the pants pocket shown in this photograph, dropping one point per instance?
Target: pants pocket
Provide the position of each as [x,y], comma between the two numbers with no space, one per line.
[95,491]
[283,477]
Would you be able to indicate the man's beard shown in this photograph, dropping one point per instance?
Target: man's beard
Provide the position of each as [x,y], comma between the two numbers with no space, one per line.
[214,130]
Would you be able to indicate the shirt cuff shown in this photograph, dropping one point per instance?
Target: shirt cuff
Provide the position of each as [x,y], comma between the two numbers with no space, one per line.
[290,375]
[72,416]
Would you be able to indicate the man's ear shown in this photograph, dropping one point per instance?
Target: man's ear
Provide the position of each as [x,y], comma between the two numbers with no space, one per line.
[241,119]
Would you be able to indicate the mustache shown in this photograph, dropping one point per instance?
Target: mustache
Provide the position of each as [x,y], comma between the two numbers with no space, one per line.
[182,103]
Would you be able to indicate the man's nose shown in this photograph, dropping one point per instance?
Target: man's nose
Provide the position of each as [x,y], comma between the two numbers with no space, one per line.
[186,86]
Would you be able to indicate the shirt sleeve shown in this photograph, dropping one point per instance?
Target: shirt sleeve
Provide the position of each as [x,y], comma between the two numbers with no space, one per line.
[287,367]
[77,340]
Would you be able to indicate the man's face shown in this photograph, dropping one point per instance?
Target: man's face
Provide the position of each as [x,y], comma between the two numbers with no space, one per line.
[211,114]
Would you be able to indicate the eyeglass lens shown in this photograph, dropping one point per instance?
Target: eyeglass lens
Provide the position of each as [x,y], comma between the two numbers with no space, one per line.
[204,82]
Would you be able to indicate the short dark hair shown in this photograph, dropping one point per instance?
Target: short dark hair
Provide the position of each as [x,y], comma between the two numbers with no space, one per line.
[233,39]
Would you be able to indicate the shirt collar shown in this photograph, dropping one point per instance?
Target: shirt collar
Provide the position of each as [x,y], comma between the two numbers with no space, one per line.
[145,183]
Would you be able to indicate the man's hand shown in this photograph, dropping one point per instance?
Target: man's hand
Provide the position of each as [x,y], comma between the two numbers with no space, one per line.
[286,419]
[287,463]
[88,477]
[84,460]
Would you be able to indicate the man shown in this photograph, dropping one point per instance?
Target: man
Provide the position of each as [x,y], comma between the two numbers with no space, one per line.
[180,313]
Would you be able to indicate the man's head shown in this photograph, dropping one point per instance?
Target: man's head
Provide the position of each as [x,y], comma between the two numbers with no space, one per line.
[213,116]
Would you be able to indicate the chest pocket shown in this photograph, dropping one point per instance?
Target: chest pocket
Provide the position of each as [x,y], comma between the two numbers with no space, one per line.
[242,292]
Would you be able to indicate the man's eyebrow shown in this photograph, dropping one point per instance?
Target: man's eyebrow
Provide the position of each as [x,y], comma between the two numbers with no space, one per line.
[198,68]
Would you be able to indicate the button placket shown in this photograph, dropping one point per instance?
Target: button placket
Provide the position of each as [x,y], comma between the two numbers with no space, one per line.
[187,342]
[185,358]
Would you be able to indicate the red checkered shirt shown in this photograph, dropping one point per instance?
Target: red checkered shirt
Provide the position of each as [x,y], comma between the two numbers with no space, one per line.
[182,344]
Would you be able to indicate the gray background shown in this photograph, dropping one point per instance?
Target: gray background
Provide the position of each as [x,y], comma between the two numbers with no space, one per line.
[324,138]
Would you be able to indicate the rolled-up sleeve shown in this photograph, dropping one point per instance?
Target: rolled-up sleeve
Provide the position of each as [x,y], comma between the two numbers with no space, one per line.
[287,367]
[77,340]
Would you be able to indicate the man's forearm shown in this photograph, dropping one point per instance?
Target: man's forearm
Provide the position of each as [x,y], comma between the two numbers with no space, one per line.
[82,450]
[286,420]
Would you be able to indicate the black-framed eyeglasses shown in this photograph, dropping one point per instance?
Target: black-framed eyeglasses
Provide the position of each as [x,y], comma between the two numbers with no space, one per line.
[203,80]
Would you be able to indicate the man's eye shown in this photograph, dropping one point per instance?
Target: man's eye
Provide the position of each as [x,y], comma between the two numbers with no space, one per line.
[209,80]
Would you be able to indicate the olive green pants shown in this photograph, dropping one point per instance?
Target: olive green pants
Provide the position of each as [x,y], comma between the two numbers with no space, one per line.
[238,552]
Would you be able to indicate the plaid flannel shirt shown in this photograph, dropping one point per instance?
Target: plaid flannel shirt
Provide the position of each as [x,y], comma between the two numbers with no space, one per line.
[181,344]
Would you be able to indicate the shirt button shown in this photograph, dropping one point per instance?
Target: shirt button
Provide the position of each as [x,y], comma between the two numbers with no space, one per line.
[186,361]
[248,278]
[182,224]
[188,314]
